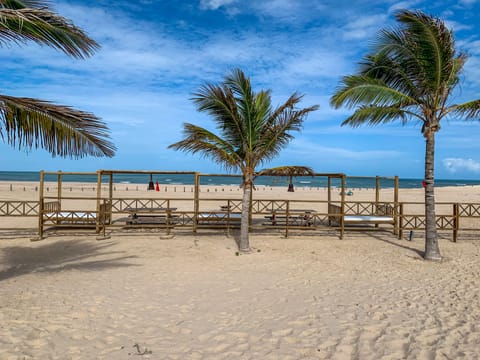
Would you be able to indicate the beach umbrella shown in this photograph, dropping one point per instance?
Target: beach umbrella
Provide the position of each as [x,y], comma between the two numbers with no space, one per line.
[290,171]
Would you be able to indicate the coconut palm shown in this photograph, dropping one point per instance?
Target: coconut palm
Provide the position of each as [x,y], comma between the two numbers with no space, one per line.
[410,76]
[250,131]
[27,122]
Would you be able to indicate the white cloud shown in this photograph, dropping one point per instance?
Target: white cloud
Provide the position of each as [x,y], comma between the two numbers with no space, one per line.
[215,4]
[457,26]
[468,88]
[471,77]
[364,26]
[454,165]
[472,47]
[324,63]
[310,149]
[468,2]
[284,10]
[403,5]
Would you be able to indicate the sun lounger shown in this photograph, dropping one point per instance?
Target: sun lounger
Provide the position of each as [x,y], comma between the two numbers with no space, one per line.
[70,217]
[52,215]
[384,214]
[367,219]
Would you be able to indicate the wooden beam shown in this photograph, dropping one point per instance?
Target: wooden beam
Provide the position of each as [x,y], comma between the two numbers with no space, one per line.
[196,201]
[342,206]
[41,205]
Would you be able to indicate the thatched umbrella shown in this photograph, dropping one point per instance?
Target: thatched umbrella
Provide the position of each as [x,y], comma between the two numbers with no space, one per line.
[290,171]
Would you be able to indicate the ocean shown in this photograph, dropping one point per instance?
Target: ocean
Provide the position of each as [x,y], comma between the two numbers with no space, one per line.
[187,179]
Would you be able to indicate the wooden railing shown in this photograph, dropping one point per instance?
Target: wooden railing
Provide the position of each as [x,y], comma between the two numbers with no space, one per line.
[223,213]
[19,208]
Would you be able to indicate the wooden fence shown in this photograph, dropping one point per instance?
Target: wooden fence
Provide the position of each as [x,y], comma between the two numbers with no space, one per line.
[278,215]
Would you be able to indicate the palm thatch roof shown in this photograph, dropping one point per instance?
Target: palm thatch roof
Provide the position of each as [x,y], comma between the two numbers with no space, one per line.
[288,171]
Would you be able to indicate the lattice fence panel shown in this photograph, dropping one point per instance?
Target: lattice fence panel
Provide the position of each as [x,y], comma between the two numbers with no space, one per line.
[469,209]
[19,208]
[264,206]
[121,205]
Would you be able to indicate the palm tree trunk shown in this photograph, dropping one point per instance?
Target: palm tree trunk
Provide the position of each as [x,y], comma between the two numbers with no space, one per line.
[244,245]
[432,251]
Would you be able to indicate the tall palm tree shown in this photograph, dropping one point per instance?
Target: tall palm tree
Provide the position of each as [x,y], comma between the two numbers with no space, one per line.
[251,132]
[27,122]
[410,76]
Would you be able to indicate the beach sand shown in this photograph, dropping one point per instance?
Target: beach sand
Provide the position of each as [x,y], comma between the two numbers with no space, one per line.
[146,296]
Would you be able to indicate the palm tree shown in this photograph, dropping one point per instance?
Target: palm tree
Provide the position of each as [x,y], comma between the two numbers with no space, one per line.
[251,132]
[410,76]
[27,122]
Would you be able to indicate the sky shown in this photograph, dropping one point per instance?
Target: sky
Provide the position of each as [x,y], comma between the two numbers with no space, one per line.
[156,53]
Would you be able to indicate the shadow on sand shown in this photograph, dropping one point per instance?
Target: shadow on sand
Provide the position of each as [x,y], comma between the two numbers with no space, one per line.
[52,257]
[399,243]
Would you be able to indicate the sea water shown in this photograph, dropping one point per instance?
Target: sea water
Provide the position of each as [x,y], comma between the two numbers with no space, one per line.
[218,180]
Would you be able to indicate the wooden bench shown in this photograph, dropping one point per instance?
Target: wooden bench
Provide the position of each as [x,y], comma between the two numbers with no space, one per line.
[295,217]
[151,216]
[151,220]
[218,218]
[52,213]
[150,211]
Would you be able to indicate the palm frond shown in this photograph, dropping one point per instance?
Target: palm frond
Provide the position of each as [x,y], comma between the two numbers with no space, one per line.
[253,108]
[291,102]
[61,130]
[250,131]
[200,140]
[455,71]
[375,115]
[241,87]
[469,110]
[279,133]
[45,28]
[360,90]
[219,102]
[393,73]
[395,47]
[397,81]
[433,44]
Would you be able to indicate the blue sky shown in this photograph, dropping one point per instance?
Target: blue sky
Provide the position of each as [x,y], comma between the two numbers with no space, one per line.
[156,53]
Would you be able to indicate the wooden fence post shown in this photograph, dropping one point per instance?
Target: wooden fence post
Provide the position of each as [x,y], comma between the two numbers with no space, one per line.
[196,202]
[286,219]
[456,220]
[400,222]
[395,205]
[342,211]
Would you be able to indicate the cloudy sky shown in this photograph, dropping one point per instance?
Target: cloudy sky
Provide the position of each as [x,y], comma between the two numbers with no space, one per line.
[156,53]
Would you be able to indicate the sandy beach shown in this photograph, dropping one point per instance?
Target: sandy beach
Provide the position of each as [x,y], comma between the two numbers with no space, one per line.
[145,296]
